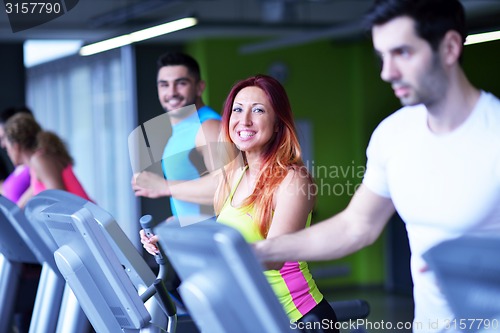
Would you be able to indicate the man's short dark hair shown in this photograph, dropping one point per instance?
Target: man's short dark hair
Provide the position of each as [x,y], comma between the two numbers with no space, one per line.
[433,18]
[180,59]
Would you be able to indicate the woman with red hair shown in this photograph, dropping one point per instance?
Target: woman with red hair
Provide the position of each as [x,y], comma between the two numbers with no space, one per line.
[266,191]
[271,193]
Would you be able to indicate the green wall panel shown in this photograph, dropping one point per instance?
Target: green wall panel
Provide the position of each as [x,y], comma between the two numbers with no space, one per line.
[335,86]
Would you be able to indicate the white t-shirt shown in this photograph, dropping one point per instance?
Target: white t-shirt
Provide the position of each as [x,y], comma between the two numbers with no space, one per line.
[443,186]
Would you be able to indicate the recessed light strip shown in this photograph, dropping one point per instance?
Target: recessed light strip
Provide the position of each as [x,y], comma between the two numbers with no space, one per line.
[483,37]
[138,36]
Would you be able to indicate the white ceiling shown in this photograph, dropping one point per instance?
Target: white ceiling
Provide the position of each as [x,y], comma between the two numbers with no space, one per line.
[92,20]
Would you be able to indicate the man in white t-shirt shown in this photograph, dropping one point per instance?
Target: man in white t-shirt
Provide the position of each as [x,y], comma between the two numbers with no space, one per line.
[436,161]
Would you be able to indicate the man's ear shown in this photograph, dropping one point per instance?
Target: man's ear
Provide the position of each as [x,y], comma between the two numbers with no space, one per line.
[201,85]
[452,47]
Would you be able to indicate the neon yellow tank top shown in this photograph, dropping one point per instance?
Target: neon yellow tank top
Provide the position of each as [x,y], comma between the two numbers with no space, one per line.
[293,283]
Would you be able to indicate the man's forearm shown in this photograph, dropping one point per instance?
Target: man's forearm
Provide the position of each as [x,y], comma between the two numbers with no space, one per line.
[200,190]
[327,240]
[357,226]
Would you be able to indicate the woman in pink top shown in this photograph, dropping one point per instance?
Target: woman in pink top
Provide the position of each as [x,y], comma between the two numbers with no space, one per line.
[46,155]
[16,183]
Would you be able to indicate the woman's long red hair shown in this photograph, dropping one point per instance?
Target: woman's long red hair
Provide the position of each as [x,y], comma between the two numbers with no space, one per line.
[282,153]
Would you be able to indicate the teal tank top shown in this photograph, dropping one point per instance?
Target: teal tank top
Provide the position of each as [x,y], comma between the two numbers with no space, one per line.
[181,160]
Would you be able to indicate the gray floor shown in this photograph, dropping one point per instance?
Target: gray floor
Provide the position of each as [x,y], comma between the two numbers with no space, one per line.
[389,312]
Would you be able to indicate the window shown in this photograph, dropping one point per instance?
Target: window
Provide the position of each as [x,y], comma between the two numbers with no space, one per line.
[90,103]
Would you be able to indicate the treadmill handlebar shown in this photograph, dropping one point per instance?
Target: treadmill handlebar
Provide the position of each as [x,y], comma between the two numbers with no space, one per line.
[147,225]
[158,286]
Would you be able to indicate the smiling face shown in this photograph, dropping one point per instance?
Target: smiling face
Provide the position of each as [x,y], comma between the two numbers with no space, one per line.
[252,124]
[409,64]
[177,88]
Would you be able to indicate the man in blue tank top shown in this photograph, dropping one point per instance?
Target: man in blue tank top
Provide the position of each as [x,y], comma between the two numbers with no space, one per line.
[194,127]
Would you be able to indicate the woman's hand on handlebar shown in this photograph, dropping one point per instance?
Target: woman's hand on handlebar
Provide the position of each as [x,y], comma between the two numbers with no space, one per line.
[149,244]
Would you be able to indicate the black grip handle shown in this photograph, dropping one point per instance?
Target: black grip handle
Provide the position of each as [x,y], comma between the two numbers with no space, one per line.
[147,224]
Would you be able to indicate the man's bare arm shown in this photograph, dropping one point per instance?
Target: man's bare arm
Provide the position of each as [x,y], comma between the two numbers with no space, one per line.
[200,190]
[359,225]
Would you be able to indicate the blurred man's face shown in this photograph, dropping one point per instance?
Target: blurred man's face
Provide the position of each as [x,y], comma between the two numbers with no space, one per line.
[409,64]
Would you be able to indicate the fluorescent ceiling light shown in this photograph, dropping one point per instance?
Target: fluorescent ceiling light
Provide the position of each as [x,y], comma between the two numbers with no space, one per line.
[481,38]
[40,51]
[138,36]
